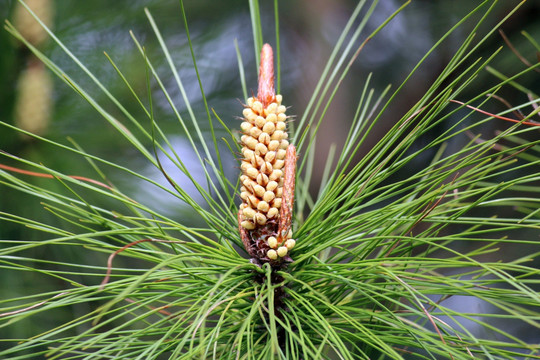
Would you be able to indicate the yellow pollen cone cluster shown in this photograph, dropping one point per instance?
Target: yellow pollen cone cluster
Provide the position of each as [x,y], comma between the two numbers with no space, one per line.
[268,172]
[264,147]
[279,251]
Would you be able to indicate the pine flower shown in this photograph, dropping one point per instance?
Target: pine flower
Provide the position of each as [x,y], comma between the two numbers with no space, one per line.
[33,104]
[30,29]
[268,171]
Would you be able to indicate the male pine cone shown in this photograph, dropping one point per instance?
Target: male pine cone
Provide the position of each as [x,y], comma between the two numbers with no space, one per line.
[264,151]
[264,147]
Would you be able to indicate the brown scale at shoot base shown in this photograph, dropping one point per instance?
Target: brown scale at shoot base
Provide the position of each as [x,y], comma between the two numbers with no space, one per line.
[268,172]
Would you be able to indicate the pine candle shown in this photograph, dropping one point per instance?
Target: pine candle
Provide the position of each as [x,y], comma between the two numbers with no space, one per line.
[268,171]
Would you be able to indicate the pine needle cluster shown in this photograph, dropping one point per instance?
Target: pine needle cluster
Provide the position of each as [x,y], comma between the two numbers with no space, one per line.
[428,266]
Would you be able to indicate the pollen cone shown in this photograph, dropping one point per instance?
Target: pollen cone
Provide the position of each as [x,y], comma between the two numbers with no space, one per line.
[264,149]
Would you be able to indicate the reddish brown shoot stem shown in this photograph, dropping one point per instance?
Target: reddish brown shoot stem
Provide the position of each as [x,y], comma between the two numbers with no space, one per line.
[49,176]
[496,116]
[111,257]
[32,306]
[289,178]
[266,92]
[515,51]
